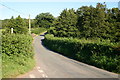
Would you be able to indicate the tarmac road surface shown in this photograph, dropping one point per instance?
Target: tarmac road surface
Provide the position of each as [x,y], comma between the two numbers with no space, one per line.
[50,64]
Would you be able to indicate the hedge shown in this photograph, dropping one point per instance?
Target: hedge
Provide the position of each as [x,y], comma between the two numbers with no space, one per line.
[102,54]
[17,54]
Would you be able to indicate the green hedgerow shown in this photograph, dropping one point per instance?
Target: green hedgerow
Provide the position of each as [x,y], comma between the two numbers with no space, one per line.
[102,54]
[17,54]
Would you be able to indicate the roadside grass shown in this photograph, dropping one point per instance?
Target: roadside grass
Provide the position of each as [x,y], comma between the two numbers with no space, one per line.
[38,31]
[17,55]
[0,54]
[14,67]
[0,66]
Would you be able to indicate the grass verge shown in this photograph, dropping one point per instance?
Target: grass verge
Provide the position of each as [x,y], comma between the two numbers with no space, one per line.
[38,31]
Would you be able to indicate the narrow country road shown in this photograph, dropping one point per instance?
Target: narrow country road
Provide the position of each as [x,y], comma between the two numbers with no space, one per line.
[53,65]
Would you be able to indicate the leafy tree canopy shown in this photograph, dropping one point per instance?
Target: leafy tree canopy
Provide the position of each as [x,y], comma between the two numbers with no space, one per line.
[44,20]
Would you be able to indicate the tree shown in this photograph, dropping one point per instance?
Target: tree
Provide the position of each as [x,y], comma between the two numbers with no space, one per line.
[113,18]
[44,20]
[92,21]
[88,22]
[18,24]
[5,22]
[65,25]
[33,23]
[84,18]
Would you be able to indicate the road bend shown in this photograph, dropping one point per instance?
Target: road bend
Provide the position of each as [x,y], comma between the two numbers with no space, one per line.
[50,64]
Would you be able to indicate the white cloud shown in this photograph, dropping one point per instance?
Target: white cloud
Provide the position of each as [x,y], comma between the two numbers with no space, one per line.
[60,0]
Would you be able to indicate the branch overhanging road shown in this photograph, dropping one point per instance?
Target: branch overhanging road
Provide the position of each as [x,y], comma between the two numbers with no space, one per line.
[53,65]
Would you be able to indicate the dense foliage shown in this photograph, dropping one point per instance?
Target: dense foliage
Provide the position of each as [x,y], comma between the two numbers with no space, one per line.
[65,25]
[38,30]
[102,54]
[17,54]
[44,20]
[88,22]
[92,36]
[18,24]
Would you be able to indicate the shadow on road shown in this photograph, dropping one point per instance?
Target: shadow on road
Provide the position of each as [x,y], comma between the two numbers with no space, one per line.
[55,52]
[43,34]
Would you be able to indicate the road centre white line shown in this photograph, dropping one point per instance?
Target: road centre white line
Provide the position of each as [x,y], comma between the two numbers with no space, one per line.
[41,71]
[38,67]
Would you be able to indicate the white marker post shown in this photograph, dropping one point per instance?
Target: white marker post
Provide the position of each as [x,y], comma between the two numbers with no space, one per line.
[11,30]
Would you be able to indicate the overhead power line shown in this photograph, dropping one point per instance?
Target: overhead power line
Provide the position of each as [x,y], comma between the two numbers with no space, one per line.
[20,13]
[12,9]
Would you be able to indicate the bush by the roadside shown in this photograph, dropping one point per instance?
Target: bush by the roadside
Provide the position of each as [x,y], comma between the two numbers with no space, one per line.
[17,54]
[102,54]
[38,30]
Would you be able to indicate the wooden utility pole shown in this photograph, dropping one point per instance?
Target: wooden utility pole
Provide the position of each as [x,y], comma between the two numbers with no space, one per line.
[29,25]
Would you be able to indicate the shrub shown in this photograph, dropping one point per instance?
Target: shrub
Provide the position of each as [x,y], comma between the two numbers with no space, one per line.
[102,54]
[17,54]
